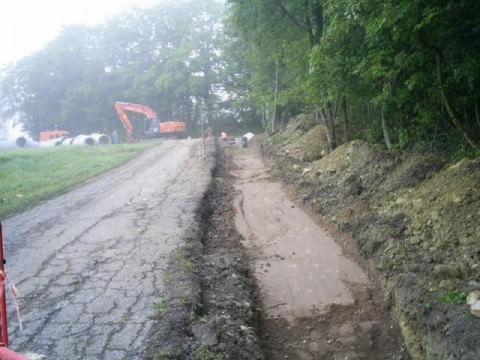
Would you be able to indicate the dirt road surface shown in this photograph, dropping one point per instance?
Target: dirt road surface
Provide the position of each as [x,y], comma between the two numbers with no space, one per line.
[89,264]
[299,267]
[317,302]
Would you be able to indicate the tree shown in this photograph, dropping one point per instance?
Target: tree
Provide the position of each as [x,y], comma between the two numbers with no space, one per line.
[408,70]
[152,56]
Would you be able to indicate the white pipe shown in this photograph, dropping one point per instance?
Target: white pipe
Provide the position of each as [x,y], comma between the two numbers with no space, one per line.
[101,139]
[67,141]
[52,142]
[83,140]
[25,141]
[20,142]
[7,143]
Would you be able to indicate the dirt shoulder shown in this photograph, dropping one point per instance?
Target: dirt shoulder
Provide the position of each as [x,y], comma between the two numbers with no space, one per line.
[415,217]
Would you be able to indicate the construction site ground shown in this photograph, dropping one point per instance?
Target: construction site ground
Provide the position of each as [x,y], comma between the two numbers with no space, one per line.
[353,254]
[261,253]
[319,299]
[269,279]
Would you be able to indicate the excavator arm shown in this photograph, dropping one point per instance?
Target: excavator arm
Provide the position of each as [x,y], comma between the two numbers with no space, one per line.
[122,109]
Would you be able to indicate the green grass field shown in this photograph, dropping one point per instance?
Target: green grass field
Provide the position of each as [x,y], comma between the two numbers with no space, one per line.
[28,176]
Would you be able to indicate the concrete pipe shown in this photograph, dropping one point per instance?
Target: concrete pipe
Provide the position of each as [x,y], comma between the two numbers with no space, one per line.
[101,139]
[52,142]
[67,141]
[84,140]
[20,142]
[7,143]
[25,141]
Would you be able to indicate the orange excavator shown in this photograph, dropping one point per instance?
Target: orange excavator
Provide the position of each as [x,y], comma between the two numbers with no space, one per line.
[152,126]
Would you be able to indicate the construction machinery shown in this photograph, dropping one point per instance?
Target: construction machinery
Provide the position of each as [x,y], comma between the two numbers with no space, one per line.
[153,127]
[52,134]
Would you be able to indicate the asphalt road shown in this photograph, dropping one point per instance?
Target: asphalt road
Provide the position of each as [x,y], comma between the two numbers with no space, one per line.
[89,264]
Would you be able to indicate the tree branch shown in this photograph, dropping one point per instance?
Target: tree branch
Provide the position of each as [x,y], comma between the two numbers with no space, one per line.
[292,18]
[451,113]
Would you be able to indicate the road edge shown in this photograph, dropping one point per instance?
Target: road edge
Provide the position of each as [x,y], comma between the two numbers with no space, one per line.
[209,310]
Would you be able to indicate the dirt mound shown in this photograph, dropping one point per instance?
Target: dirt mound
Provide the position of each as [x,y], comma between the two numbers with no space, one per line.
[416,218]
[300,139]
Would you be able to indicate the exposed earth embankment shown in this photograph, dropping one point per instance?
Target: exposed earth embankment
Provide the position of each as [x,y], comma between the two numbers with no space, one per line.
[414,216]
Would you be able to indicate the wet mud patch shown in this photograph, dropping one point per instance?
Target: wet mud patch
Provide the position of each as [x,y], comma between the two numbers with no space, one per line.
[210,309]
[363,330]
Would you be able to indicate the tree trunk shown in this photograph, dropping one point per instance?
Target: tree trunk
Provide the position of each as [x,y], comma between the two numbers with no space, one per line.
[477,116]
[264,118]
[345,118]
[329,121]
[386,135]
[323,116]
[275,96]
[451,113]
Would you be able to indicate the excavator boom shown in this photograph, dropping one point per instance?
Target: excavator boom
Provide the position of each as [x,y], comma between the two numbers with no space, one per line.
[153,126]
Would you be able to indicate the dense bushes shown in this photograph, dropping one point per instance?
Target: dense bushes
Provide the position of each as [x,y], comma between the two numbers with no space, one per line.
[404,73]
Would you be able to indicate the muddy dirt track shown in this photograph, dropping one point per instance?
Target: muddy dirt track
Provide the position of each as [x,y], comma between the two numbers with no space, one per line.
[89,264]
[317,302]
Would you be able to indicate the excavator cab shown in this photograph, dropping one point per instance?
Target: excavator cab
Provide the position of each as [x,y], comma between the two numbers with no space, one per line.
[150,127]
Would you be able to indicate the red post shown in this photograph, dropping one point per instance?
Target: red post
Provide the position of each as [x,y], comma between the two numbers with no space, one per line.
[3,302]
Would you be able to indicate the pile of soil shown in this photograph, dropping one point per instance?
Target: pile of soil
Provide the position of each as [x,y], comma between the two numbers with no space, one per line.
[209,312]
[414,216]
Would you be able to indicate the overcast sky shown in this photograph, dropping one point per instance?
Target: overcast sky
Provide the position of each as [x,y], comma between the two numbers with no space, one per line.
[27,25]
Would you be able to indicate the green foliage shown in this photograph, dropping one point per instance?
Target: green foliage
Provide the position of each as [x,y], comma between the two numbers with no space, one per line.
[347,61]
[185,261]
[28,176]
[167,356]
[203,353]
[454,297]
[159,308]
[415,61]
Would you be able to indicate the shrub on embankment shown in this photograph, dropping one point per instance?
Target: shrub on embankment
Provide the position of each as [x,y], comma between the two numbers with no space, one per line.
[415,216]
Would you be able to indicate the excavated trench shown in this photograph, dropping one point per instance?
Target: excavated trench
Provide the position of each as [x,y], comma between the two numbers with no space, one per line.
[210,311]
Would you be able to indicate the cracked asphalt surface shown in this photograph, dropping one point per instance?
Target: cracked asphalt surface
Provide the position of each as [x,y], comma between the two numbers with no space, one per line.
[89,264]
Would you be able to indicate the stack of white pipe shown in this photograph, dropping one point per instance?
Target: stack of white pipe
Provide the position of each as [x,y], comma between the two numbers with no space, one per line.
[25,141]
[90,140]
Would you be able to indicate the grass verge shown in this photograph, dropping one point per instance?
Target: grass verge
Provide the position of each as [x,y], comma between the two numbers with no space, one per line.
[28,176]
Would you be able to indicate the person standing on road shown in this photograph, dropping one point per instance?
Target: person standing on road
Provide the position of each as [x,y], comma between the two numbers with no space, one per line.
[114,136]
